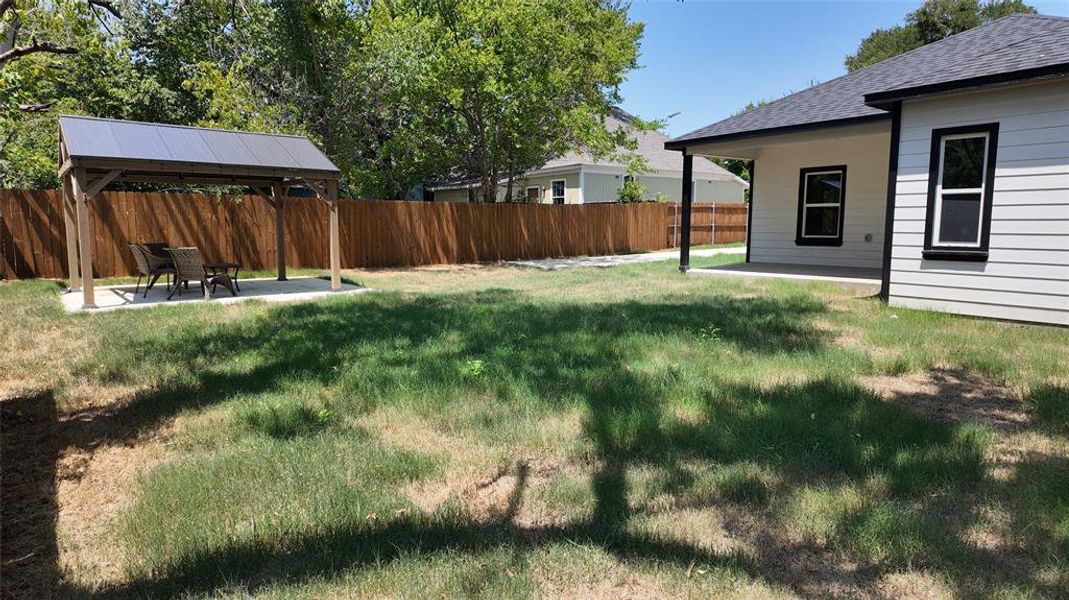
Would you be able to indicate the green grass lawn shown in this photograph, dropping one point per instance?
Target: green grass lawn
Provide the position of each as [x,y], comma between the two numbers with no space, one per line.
[505,432]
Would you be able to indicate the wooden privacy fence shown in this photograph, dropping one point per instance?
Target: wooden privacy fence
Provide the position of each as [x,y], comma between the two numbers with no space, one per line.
[373,233]
[709,224]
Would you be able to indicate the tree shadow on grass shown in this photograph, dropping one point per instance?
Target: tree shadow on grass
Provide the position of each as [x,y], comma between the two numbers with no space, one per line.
[30,451]
[555,348]
[823,431]
[919,521]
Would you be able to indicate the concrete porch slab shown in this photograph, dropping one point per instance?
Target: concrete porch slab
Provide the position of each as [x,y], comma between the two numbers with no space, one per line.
[296,289]
[614,260]
[868,280]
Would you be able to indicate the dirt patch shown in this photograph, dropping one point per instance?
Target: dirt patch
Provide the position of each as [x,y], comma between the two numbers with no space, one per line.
[66,478]
[94,487]
[954,396]
[913,586]
[501,497]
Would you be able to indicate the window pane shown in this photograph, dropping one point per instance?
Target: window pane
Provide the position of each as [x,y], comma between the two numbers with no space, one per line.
[959,218]
[822,220]
[963,163]
[823,188]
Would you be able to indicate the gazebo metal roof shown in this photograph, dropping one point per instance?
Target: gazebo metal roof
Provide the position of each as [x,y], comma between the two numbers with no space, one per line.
[155,148]
[96,152]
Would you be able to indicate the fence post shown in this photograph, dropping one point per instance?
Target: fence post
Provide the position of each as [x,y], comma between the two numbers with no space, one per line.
[713,237]
[675,225]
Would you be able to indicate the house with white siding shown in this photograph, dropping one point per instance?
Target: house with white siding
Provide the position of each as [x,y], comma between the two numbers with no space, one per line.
[580,178]
[941,175]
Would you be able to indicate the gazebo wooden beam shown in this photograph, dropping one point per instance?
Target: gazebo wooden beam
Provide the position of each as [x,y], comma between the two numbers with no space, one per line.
[70,225]
[278,192]
[335,236]
[85,242]
[98,184]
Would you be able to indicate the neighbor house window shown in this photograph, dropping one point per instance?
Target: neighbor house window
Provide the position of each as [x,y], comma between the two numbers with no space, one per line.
[557,186]
[821,199]
[534,194]
[471,195]
[960,173]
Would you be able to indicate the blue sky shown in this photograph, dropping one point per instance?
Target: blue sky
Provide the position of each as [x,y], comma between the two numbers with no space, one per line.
[706,60]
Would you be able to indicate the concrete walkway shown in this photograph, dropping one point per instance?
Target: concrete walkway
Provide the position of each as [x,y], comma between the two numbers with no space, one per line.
[553,264]
[297,289]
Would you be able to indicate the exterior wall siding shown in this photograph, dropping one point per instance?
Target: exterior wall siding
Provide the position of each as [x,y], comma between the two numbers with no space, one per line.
[572,194]
[775,204]
[1026,276]
[602,187]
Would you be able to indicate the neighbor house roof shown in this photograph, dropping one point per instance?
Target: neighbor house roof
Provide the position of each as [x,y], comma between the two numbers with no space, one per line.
[1013,48]
[651,146]
[94,139]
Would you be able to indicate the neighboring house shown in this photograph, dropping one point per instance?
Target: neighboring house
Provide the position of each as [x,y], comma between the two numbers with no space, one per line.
[578,178]
[944,170]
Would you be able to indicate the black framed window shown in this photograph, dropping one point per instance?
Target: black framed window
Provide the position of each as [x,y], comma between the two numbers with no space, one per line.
[961,173]
[821,202]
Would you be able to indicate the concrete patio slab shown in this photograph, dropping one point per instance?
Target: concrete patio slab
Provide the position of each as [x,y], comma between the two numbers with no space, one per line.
[867,280]
[615,260]
[296,289]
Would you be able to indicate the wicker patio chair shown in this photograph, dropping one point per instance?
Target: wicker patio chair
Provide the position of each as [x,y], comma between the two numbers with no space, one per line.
[189,266]
[151,267]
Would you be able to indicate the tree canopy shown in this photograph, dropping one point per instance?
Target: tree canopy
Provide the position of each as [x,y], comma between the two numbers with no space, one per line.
[397,92]
[933,21]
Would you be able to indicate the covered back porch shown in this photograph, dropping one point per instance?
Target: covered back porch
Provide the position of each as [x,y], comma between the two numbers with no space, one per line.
[817,206]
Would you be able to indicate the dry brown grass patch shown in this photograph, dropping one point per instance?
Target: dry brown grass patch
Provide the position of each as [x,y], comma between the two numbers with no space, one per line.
[952,395]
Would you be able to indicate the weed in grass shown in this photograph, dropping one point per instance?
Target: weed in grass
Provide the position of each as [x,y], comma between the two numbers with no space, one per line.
[1050,406]
[285,418]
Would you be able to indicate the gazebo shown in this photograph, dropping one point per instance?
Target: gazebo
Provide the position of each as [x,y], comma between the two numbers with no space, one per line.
[94,153]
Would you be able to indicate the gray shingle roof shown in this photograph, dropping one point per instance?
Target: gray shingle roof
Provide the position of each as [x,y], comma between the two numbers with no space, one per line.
[90,137]
[651,147]
[1007,45]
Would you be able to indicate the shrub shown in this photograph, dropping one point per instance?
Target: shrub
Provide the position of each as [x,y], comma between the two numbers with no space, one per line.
[630,191]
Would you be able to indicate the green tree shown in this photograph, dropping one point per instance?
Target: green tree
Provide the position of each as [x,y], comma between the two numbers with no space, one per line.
[59,56]
[933,21]
[498,87]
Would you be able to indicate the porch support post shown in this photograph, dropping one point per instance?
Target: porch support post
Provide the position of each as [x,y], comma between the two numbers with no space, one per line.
[892,189]
[70,227]
[335,237]
[684,225]
[749,208]
[278,194]
[85,244]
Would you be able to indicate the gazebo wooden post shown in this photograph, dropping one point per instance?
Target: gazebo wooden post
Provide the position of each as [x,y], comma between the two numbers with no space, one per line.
[278,194]
[70,226]
[335,237]
[85,244]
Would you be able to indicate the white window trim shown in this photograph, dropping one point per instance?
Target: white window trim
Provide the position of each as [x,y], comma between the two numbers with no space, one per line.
[937,216]
[534,187]
[806,204]
[564,192]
